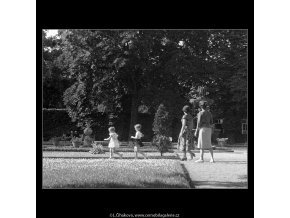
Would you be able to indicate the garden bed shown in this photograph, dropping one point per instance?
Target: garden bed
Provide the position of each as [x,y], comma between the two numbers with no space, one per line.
[126,155]
[106,173]
[106,149]
[123,148]
[104,143]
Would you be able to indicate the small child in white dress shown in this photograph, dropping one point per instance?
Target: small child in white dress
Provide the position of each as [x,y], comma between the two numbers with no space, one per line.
[114,142]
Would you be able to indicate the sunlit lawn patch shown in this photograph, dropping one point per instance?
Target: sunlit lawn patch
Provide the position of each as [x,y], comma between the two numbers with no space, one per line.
[105,173]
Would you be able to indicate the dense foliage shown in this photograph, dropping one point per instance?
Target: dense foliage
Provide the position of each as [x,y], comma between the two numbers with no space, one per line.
[162,121]
[162,129]
[126,71]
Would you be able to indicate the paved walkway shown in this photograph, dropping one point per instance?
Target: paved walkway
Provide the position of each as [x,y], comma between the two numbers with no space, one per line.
[228,172]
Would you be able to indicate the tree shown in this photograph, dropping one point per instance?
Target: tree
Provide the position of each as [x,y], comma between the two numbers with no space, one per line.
[162,129]
[94,88]
[227,53]
[108,65]
[54,84]
[118,71]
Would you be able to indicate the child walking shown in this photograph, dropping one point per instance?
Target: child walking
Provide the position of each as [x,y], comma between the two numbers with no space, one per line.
[114,142]
[137,141]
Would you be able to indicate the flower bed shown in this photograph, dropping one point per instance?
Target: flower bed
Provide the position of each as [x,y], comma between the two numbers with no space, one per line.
[97,149]
[76,142]
[222,141]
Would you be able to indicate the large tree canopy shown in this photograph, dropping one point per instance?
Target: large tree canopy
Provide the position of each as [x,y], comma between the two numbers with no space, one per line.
[54,82]
[121,70]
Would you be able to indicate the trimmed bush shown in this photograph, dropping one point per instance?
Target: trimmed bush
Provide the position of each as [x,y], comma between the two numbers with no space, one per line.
[162,143]
[162,129]
[55,141]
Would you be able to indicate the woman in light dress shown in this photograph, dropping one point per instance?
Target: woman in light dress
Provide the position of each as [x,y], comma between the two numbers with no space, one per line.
[204,131]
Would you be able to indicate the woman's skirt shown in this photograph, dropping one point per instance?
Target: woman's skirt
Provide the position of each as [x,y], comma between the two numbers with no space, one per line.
[204,138]
[186,141]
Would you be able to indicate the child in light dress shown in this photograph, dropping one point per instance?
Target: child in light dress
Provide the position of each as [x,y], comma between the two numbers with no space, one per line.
[114,142]
[137,141]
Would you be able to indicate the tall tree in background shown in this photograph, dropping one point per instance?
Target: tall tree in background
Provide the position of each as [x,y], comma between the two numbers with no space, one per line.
[54,84]
[228,53]
[108,70]
[110,64]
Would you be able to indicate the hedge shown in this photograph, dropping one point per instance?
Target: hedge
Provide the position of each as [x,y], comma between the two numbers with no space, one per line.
[57,122]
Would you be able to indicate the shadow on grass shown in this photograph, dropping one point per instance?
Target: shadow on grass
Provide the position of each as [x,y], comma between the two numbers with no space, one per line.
[219,184]
[186,176]
[141,184]
[163,157]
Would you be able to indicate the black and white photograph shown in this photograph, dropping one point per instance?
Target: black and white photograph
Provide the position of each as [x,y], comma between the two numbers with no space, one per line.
[145,108]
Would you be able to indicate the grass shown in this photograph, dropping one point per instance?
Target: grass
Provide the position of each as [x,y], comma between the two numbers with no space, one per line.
[105,173]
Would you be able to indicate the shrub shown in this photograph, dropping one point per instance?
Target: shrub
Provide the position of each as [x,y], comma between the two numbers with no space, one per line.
[222,141]
[162,129]
[162,121]
[56,140]
[55,123]
[162,143]
[76,141]
[97,149]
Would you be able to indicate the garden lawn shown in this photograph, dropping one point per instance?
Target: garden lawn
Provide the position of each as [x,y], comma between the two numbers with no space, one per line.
[114,173]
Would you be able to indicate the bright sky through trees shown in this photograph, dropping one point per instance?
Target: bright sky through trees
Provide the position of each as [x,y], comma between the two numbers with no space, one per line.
[51,33]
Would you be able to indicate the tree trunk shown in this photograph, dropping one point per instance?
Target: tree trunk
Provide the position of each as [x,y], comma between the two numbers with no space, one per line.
[111,123]
[134,114]
[134,104]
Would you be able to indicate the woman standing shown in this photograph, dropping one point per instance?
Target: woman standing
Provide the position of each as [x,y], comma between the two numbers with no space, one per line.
[185,139]
[204,122]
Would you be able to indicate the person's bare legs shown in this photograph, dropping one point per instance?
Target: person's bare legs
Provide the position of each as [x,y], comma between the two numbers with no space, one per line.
[185,150]
[183,155]
[116,152]
[189,147]
[211,154]
[191,154]
[136,152]
[111,153]
[201,156]
[144,155]
[201,153]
